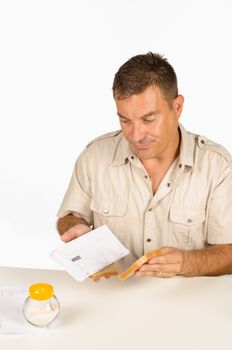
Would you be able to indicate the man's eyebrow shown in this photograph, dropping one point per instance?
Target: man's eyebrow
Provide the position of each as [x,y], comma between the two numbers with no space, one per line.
[151,113]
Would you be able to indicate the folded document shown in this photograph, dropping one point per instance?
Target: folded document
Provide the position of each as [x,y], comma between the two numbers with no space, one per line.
[90,253]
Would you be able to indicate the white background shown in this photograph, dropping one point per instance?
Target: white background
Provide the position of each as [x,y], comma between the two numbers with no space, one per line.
[57,63]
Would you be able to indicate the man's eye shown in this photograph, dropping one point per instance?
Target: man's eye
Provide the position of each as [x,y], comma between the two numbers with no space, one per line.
[124,121]
[148,120]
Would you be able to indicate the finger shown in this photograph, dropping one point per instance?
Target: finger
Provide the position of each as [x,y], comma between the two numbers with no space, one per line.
[74,232]
[69,235]
[174,256]
[164,268]
[159,274]
[97,279]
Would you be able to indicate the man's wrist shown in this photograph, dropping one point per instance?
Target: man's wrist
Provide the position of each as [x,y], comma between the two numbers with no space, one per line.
[194,262]
[69,221]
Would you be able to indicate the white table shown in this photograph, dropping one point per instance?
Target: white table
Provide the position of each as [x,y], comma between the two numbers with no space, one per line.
[153,313]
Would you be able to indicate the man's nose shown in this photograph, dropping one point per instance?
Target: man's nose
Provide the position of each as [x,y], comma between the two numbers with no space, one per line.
[137,133]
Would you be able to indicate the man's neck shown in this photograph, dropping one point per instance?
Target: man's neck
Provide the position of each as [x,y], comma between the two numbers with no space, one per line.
[155,166]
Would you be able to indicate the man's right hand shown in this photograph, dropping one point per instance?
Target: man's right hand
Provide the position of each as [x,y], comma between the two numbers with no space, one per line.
[74,232]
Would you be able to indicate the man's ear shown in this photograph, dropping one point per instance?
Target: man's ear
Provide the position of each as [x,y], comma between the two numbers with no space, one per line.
[178,105]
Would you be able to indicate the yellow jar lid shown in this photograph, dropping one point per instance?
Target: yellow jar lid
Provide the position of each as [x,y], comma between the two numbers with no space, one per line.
[41,291]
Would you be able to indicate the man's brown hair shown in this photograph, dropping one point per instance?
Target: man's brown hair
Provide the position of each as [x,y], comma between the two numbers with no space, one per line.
[143,71]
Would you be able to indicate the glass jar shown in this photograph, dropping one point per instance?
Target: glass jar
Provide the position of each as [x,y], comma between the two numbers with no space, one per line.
[41,306]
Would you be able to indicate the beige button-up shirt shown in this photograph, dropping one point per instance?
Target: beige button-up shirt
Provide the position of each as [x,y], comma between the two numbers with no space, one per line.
[191,208]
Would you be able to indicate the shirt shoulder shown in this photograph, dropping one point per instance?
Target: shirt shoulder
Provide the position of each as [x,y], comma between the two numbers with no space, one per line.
[108,137]
[208,145]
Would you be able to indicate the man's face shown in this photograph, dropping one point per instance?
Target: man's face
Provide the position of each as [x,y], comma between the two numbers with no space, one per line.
[149,123]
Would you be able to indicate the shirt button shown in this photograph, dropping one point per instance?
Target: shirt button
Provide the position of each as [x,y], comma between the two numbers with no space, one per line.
[146,177]
[189,220]
[202,141]
[132,157]
[106,211]
[148,240]
[180,165]
[168,184]
[150,209]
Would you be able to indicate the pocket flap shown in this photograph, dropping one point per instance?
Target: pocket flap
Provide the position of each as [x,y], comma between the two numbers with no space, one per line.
[107,207]
[187,216]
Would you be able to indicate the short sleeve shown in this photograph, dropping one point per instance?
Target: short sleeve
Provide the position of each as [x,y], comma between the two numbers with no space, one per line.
[220,209]
[78,195]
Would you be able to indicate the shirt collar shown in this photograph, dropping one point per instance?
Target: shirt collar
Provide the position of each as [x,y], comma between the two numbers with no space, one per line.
[123,152]
[187,146]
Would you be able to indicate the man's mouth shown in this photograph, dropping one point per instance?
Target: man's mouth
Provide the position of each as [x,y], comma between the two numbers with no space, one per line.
[141,146]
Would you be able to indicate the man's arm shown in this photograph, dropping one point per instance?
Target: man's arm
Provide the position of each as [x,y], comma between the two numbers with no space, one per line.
[213,261]
[71,226]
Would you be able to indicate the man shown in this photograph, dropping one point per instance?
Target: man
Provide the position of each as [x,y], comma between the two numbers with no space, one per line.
[153,183]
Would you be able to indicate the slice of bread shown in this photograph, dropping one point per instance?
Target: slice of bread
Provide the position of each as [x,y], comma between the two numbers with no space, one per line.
[110,270]
[136,265]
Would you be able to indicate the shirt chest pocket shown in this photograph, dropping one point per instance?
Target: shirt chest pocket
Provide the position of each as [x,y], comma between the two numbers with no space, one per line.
[110,211]
[186,228]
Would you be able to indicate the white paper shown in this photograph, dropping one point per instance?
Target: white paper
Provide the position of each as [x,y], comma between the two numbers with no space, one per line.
[90,253]
[12,320]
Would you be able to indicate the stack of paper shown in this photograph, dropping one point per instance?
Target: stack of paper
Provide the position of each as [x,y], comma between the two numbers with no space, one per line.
[90,253]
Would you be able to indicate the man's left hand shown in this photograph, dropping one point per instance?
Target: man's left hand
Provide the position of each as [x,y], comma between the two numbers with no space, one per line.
[170,263]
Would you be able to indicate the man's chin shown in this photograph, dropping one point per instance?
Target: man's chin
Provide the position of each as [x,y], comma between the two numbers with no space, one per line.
[143,154]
